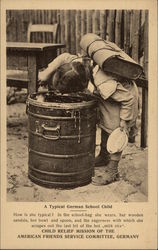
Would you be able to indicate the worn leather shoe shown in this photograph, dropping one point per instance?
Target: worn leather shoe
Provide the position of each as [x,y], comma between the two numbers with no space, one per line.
[110,175]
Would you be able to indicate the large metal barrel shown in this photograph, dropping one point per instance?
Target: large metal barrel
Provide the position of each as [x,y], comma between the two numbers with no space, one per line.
[62,132]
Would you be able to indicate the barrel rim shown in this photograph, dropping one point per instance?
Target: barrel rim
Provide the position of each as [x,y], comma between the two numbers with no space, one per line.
[55,105]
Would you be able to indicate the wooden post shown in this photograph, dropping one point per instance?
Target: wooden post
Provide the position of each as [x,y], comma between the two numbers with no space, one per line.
[83,22]
[127,19]
[89,21]
[42,21]
[78,31]
[16,24]
[54,16]
[49,22]
[67,30]
[11,29]
[141,37]
[48,36]
[24,26]
[103,24]
[72,30]
[144,118]
[32,74]
[118,30]
[62,29]
[19,26]
[111,25]
[96,22]
[135,34]
[58,30]
[58,21]
[39,34]
[35,14]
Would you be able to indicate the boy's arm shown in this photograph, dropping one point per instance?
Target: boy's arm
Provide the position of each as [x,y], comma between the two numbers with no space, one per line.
[126,100]
[104,85]
[45,75]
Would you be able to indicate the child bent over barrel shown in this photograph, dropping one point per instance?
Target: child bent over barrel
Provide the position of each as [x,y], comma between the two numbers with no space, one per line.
[117,94]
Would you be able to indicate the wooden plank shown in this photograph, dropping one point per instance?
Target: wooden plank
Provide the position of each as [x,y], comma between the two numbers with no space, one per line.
[35,18]
[17,83]
[43,58]
[18,26]
[96,22]
[17,46]
[48,20]
[8,24]
[43,21]
[131,29]
[144,118]
[17,74]
[118,30]
[67,30]
[17,78]
[54,16]
[59,24]
[62,29]
[39,36]
[32,74]
[127,19]
[16,61]
[135,34]
[111,25]
[141,41]
[24,27]
[89,20]
[15,26]
[83,22]
[13,29]
[103,24]
[141,34]
[78,31]
[58,33]
[72,30]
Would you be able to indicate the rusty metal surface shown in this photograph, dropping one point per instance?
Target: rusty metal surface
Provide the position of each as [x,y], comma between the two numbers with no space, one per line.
[61,143]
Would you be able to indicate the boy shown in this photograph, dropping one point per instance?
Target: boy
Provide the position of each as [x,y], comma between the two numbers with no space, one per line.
[118,103]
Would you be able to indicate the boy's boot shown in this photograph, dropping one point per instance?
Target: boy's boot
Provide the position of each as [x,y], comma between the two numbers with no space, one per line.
[103,158]
[111,171]
[110,175]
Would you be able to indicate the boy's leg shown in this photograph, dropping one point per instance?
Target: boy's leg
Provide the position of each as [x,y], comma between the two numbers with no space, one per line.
[103,158]
[132,133]
[111,171]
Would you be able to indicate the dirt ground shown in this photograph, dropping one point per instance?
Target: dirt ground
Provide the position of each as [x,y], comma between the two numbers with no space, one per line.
[132,186]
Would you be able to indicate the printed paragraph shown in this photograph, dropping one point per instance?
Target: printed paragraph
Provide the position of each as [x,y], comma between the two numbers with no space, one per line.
[79,224]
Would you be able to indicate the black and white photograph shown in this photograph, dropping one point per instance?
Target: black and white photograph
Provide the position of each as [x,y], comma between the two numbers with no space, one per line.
[77,103]
[78,124]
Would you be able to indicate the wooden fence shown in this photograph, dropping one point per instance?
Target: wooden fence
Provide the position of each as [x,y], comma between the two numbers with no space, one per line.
[120,26]
[127,28]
